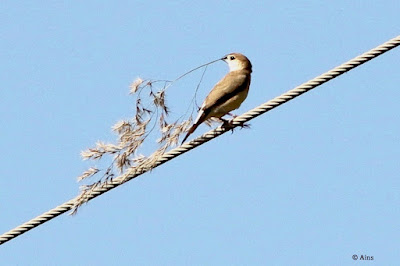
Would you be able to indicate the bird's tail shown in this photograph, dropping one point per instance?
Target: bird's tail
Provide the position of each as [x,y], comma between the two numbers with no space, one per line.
[190,131]
[200,119]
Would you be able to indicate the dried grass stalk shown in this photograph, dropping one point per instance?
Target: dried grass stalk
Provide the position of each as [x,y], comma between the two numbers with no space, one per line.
[151,109]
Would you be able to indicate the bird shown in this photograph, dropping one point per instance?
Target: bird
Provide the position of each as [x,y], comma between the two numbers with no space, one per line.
[228,94]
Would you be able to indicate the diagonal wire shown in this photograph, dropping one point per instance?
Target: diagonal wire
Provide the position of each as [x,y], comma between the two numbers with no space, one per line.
[238,121]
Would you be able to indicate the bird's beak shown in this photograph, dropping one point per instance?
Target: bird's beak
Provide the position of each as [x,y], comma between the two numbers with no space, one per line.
[224,58]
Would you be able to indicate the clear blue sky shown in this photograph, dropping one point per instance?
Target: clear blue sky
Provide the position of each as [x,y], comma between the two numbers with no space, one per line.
[311,183]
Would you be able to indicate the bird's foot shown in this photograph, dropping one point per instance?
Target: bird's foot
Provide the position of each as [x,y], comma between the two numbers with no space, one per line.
[227,124]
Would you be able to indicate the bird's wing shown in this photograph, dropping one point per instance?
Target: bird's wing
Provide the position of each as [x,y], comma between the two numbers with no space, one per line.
[233,83]
[229,86]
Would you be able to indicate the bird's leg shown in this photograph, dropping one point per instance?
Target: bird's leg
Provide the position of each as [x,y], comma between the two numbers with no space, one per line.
[244,125]
[233,115]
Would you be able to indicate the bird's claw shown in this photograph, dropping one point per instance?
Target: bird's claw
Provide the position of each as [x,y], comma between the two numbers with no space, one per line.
[227,124]
[245,125]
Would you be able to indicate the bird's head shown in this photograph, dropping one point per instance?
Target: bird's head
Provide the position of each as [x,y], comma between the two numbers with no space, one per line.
[237,61]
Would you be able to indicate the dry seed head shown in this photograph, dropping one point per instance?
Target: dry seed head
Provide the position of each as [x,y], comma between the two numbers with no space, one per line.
[135,85]
[88,173]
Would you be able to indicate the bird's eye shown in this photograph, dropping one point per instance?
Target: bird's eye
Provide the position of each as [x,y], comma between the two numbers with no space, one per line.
[232,58]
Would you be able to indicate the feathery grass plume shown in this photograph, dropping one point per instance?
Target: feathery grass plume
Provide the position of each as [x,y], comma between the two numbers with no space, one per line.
[135,85]
[88,173]
[151,112]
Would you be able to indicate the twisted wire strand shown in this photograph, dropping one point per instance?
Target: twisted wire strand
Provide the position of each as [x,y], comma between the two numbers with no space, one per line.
[238,121]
